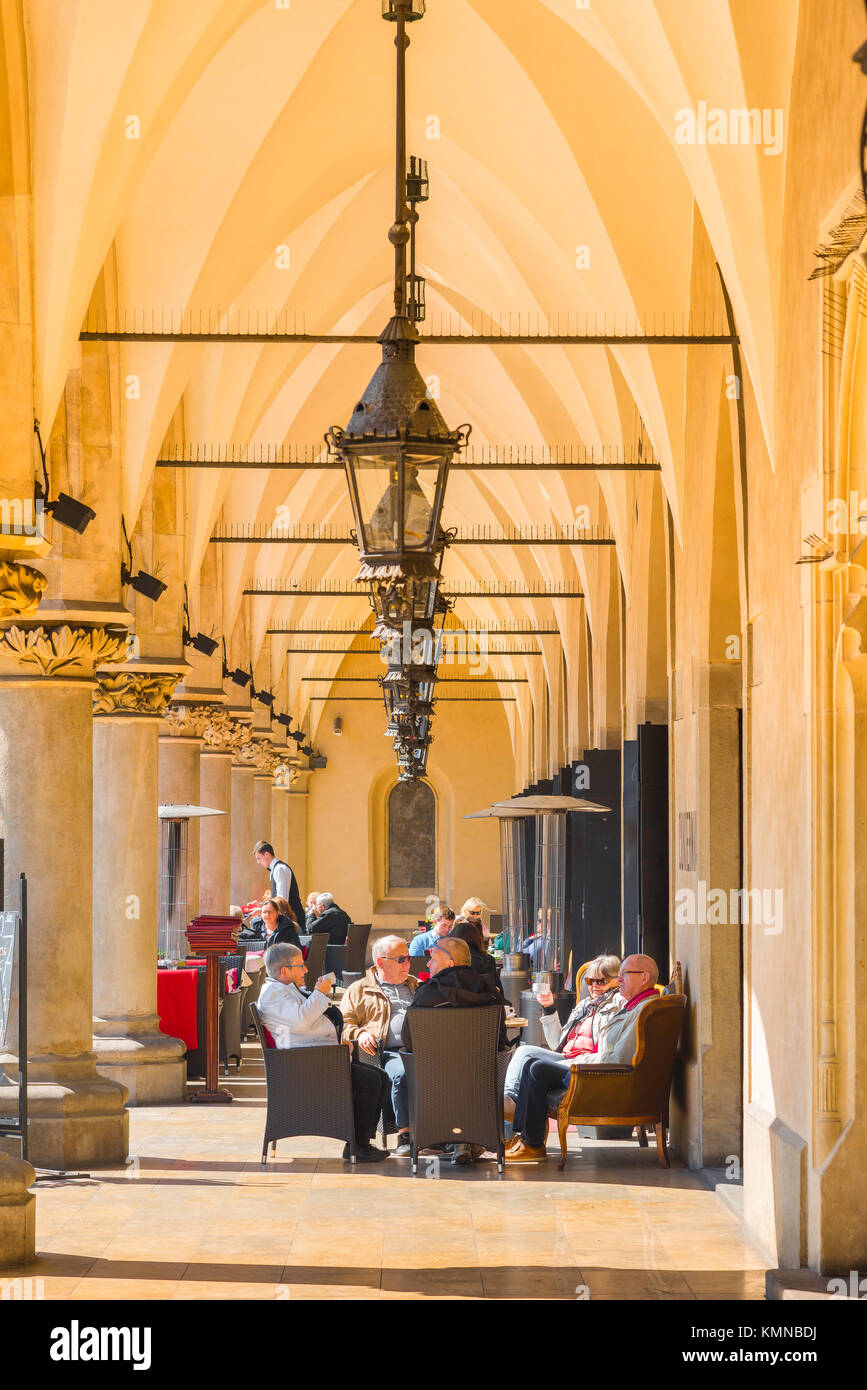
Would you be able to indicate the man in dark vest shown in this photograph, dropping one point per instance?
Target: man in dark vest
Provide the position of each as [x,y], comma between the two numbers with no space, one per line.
[283,882]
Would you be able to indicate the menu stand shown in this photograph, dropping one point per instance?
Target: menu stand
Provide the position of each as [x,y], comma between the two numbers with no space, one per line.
[212,937]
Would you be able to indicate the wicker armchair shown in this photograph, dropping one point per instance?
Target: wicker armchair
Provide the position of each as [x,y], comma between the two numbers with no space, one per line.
[230,1027]
[315,958]
[455,1078]
[633,1094]
[387,1123]
[309,1091]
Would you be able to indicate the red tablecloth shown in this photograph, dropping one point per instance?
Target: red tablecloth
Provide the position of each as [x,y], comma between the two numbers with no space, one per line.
[176,1004]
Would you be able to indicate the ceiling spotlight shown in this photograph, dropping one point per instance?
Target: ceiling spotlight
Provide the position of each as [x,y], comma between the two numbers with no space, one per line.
[238,676]
[318,760]
[297,735]
[199,641]
[143,583]
[337,729]
[307,751]
[66,510]
[265,697]
[284,719]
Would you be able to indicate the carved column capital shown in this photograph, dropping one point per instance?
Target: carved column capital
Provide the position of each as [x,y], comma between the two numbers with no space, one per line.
[220,731]
[135,692]
[21,588]
[60,650]
[182,721]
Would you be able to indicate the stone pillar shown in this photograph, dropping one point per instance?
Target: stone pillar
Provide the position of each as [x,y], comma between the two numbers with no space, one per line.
[244,868]
[179,784]
[279,818]
[128,1043]
[77,1117]
[262,784]
[17,1212]
[215,845]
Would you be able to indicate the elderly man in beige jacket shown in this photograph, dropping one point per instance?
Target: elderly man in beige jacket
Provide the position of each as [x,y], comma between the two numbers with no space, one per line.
[373,1011]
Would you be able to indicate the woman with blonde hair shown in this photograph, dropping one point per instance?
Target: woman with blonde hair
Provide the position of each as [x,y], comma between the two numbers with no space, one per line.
[473,909]
[579,1034]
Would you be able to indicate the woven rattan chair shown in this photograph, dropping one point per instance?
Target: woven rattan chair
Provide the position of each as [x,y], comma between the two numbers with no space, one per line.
[455,1079]
[357,936]
[634,1094]
[230,1028]
[309,1091]
[257,980]
[315,958]
[387,1123]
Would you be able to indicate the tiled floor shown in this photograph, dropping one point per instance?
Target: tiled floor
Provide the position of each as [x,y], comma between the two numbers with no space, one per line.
[194,1216]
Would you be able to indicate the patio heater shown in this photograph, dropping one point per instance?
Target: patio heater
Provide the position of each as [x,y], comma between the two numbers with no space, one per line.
[173,861]
[538,948]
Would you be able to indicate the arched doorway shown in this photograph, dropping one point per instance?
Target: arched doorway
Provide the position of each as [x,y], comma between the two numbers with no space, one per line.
[412,857]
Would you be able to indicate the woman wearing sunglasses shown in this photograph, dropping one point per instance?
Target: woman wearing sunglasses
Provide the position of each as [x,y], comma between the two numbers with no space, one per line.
[373,1011]
[580,1033]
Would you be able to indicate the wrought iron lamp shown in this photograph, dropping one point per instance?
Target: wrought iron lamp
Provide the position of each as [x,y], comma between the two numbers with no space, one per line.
[397,447]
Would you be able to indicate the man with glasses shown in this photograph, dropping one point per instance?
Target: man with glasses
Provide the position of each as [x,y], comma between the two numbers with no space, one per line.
[373,1011]
[296,1018]
[638,975]
[580,1033]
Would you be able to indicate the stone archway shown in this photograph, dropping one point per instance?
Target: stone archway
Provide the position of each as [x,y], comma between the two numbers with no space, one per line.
[411,832]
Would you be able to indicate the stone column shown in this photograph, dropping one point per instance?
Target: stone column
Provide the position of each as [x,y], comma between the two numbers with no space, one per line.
[77,1117]
[179,783]
[215,845]
[262,784]
[279,818]
[17,1212]
[128,1043]
[242,838]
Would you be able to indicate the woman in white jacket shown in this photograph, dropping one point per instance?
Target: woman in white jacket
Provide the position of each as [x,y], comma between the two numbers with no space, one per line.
[295,1018]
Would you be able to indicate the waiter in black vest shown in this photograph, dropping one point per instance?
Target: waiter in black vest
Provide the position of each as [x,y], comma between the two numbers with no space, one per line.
[283,882]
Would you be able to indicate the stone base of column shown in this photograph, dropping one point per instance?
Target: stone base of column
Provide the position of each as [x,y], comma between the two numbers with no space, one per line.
[147,1062]
[17,1212]
[77,1118]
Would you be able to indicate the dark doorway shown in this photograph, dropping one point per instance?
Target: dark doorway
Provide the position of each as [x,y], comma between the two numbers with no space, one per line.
[645,843]
[412,858]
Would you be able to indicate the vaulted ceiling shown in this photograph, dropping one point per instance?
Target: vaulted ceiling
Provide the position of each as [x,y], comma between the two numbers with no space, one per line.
[259,179]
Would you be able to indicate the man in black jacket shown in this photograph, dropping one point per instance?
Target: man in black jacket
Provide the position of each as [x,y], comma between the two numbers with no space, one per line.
[454,984]
[328,917]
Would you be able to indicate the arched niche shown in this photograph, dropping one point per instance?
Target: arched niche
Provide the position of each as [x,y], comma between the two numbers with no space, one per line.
[411,839]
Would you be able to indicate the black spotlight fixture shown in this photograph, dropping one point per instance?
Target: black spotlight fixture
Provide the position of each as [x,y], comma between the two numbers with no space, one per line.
[318,760]
[298,736]
[307,751]
[284,719]
[199,641]
[238,676]
[68,511]
[264,697]
[143,583]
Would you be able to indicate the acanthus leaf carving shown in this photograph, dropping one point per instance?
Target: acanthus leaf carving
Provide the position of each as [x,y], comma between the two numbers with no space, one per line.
[60,649]
[135,692]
